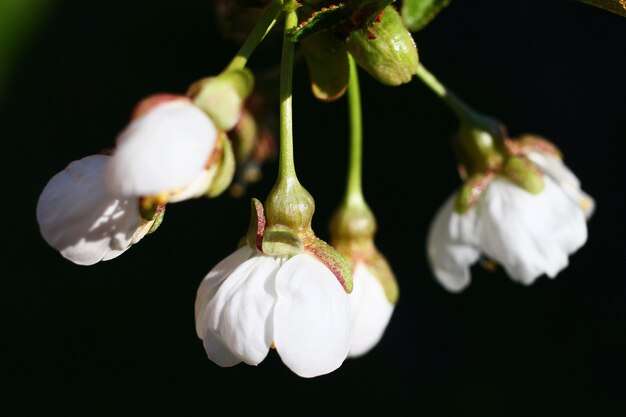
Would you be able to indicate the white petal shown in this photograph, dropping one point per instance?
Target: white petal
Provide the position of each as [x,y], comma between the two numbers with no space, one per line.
[452,246]
[240,311]
[210,284]
[198,187]
[218,351]
[370,310]
[162,151]
[529,234]
[80,218]
[311,317]
[562,175]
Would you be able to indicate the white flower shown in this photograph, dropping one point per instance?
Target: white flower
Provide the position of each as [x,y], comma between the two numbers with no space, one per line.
[165,151]
[371,310]
[529,234]
[79,217]
[250,302]
[554,167]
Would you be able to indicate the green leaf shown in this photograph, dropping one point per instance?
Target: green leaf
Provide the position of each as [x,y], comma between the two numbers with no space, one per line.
[615,6]
[418,13]
[344,16]
[319,20]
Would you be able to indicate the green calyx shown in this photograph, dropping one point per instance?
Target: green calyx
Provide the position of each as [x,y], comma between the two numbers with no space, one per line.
[352,223]
[352,230]
[471,190]
[282,241]
[480,146]
[386,50]
[524,173]
[152,210]
[225,170]
[289,204]
[330,257]
[379,267]
[222,97]
[484,154]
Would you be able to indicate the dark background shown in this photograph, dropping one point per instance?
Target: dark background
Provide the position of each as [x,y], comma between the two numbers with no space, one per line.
[118,338]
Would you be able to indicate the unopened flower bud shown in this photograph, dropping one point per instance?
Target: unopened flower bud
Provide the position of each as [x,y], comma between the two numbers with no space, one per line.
[386,50]
[222,97]
[375,290]
[327,59]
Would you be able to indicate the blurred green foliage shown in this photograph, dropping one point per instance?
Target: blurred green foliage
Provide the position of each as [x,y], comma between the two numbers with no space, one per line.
[18,21]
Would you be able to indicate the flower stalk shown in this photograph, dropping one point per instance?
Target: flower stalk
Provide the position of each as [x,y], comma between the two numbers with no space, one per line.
[461,109]
[354,188]
[262,28]
[288,203]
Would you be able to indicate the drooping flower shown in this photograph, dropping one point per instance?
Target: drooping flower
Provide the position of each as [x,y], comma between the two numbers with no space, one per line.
[83,220]
[253,301]
[375,290]
[520,206]
[371,309]
[250,302]
[166,151]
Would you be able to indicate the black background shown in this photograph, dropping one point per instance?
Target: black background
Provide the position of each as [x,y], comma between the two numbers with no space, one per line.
[118,338]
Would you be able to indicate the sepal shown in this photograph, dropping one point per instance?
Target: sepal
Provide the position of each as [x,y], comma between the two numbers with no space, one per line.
[225,171]
[329,257]
[279,240]
[254,236]
[524,173]
[470,191]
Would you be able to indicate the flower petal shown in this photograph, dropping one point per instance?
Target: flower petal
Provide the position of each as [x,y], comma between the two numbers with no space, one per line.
[214,345]
[210,284]
[240,311]
[162,151]
[452,246]
[530,234]
[561,174]
[370,310]
[311,317]
[218,351]
[81,219]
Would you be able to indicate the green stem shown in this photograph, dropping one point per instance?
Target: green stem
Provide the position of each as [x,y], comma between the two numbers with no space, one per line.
[262,28]
[288,203]
[354,189]
[464,112]
[286,162]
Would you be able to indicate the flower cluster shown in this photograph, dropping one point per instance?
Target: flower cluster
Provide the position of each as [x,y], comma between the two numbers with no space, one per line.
[316,304]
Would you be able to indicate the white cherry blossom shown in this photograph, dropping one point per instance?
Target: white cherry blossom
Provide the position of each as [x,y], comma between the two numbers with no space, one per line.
[82,219]
[164,151]
[528,234]
[371,310]
[251,302]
